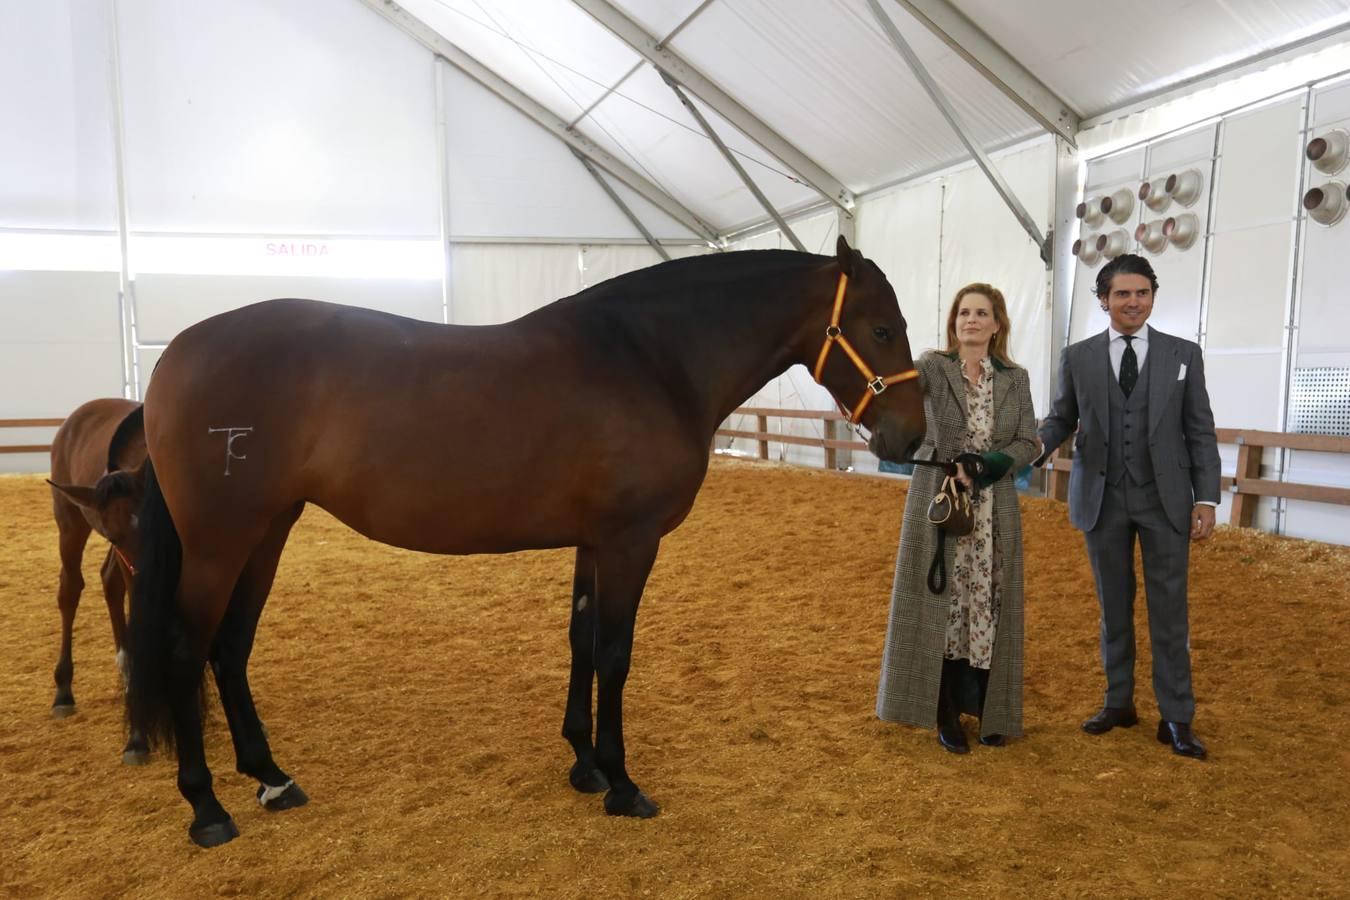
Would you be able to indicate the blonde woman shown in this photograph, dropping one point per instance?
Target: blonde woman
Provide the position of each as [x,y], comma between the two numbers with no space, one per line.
[961,650]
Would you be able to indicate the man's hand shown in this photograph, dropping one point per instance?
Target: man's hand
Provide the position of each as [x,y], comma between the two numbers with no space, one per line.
[1202,521]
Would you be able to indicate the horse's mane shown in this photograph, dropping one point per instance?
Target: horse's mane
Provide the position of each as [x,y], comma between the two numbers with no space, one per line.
[714,270]
[130,426]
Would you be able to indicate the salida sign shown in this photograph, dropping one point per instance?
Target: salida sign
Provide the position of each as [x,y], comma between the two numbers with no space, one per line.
[296,248]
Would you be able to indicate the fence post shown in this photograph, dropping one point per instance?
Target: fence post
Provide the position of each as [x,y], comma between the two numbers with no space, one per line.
[762,423]
[831,454]
[1243,512]
[1059,479]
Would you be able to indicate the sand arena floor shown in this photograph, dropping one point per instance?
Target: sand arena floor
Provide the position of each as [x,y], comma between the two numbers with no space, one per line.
[418,700]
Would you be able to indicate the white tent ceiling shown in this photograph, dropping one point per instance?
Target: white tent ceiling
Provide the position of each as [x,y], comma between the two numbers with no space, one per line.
[822,76]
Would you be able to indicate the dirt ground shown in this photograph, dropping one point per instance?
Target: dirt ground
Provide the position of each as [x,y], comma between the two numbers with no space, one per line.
[418,700]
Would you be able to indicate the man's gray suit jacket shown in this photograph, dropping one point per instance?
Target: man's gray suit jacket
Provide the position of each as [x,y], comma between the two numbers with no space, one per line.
[1181,441]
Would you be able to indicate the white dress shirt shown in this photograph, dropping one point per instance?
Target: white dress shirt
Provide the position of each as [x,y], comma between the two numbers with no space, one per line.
[1118,348]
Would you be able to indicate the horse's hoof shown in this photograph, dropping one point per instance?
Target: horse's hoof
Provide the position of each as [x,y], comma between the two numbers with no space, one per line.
[588,779]
[290,798]
[640,807]
[214,835]
[133,756]
[61,710]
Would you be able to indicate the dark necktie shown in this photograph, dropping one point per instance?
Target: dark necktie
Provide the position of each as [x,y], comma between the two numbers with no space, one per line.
[1129,366]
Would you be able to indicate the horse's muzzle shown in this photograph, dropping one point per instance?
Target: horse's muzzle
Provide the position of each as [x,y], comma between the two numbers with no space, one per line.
[897,449]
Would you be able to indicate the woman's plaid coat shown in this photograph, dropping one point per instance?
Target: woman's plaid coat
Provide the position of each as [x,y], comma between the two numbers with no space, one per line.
[916,637]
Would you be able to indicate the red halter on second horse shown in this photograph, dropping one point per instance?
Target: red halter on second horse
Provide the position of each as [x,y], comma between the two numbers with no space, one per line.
[875,383]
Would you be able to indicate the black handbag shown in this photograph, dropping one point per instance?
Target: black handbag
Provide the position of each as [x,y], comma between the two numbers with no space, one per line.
[952,511]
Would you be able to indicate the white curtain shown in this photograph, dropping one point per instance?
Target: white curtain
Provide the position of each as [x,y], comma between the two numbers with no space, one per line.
[494,283]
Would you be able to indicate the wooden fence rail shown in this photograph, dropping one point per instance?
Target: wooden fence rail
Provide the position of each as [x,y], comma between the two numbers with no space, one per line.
[834,428]
[1246,484]
[28,423]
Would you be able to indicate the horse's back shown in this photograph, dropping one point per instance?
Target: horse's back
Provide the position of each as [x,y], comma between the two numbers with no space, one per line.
[80,446]
[443,438]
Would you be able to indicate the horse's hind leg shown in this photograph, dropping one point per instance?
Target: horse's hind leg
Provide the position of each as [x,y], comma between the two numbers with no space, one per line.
[229,661]
[621,574]
[203,595]
[137,751]
[577,725]
[74,535]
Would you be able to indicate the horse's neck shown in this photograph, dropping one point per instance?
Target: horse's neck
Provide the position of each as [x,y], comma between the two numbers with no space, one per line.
[744,343]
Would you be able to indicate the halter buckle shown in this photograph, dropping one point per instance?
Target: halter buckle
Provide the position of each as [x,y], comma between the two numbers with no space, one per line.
[877,385]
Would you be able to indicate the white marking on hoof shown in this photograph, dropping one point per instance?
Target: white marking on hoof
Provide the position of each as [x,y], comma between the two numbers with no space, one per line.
[271,793]
[581,603]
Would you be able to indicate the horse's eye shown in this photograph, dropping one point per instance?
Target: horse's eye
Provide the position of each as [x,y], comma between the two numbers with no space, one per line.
[881,333]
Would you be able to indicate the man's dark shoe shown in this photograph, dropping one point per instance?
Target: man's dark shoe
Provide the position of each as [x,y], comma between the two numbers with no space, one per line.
[993,740]
[1111,717]
[1183,742]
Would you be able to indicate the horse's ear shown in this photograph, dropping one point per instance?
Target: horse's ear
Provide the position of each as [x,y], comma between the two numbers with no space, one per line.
[846,255]
[77,494]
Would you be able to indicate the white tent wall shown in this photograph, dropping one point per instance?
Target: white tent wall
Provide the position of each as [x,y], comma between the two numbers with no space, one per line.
[274,150]
[492,283]
[983,241]
[60,326]
[268,150]
[1260,288]
[1320,372]
[511,179]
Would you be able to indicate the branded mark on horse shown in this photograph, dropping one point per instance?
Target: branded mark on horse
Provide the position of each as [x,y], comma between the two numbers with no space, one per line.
[97,485]
[584,424]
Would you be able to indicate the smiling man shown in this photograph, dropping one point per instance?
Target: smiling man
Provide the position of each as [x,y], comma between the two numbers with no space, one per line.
[1146,465]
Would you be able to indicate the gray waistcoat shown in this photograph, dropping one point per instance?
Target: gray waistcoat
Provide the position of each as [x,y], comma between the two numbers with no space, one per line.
[1128,447]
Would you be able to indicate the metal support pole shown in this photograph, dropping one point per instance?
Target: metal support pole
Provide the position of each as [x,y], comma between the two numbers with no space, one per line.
[623,207]
[443,172]
[949,113]
[734,163]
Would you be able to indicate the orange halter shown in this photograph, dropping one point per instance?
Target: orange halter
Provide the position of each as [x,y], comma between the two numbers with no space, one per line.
[875,383]
[123,557]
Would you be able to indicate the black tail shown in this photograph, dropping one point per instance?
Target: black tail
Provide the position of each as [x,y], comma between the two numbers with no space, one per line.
[155,625]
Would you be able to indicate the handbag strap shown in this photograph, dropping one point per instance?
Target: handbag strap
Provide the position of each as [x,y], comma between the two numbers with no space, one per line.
[937,572]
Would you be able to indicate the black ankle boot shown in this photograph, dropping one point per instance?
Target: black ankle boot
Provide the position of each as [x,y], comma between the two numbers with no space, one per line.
[950,733]
[982,679]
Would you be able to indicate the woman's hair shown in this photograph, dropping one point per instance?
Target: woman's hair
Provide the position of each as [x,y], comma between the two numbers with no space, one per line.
[998,344]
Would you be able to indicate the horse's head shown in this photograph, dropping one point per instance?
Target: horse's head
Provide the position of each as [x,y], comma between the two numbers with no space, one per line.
[871,372]
[113,501]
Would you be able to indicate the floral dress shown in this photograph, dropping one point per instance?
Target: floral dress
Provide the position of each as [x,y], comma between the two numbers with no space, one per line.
[974,588]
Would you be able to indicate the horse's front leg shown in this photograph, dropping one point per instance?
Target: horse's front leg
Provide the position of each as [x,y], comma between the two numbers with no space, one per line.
[74,535]
[621,574]
[577,724]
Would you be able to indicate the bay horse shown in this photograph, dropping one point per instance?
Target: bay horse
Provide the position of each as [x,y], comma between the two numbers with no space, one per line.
[97,485]
[586,423]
